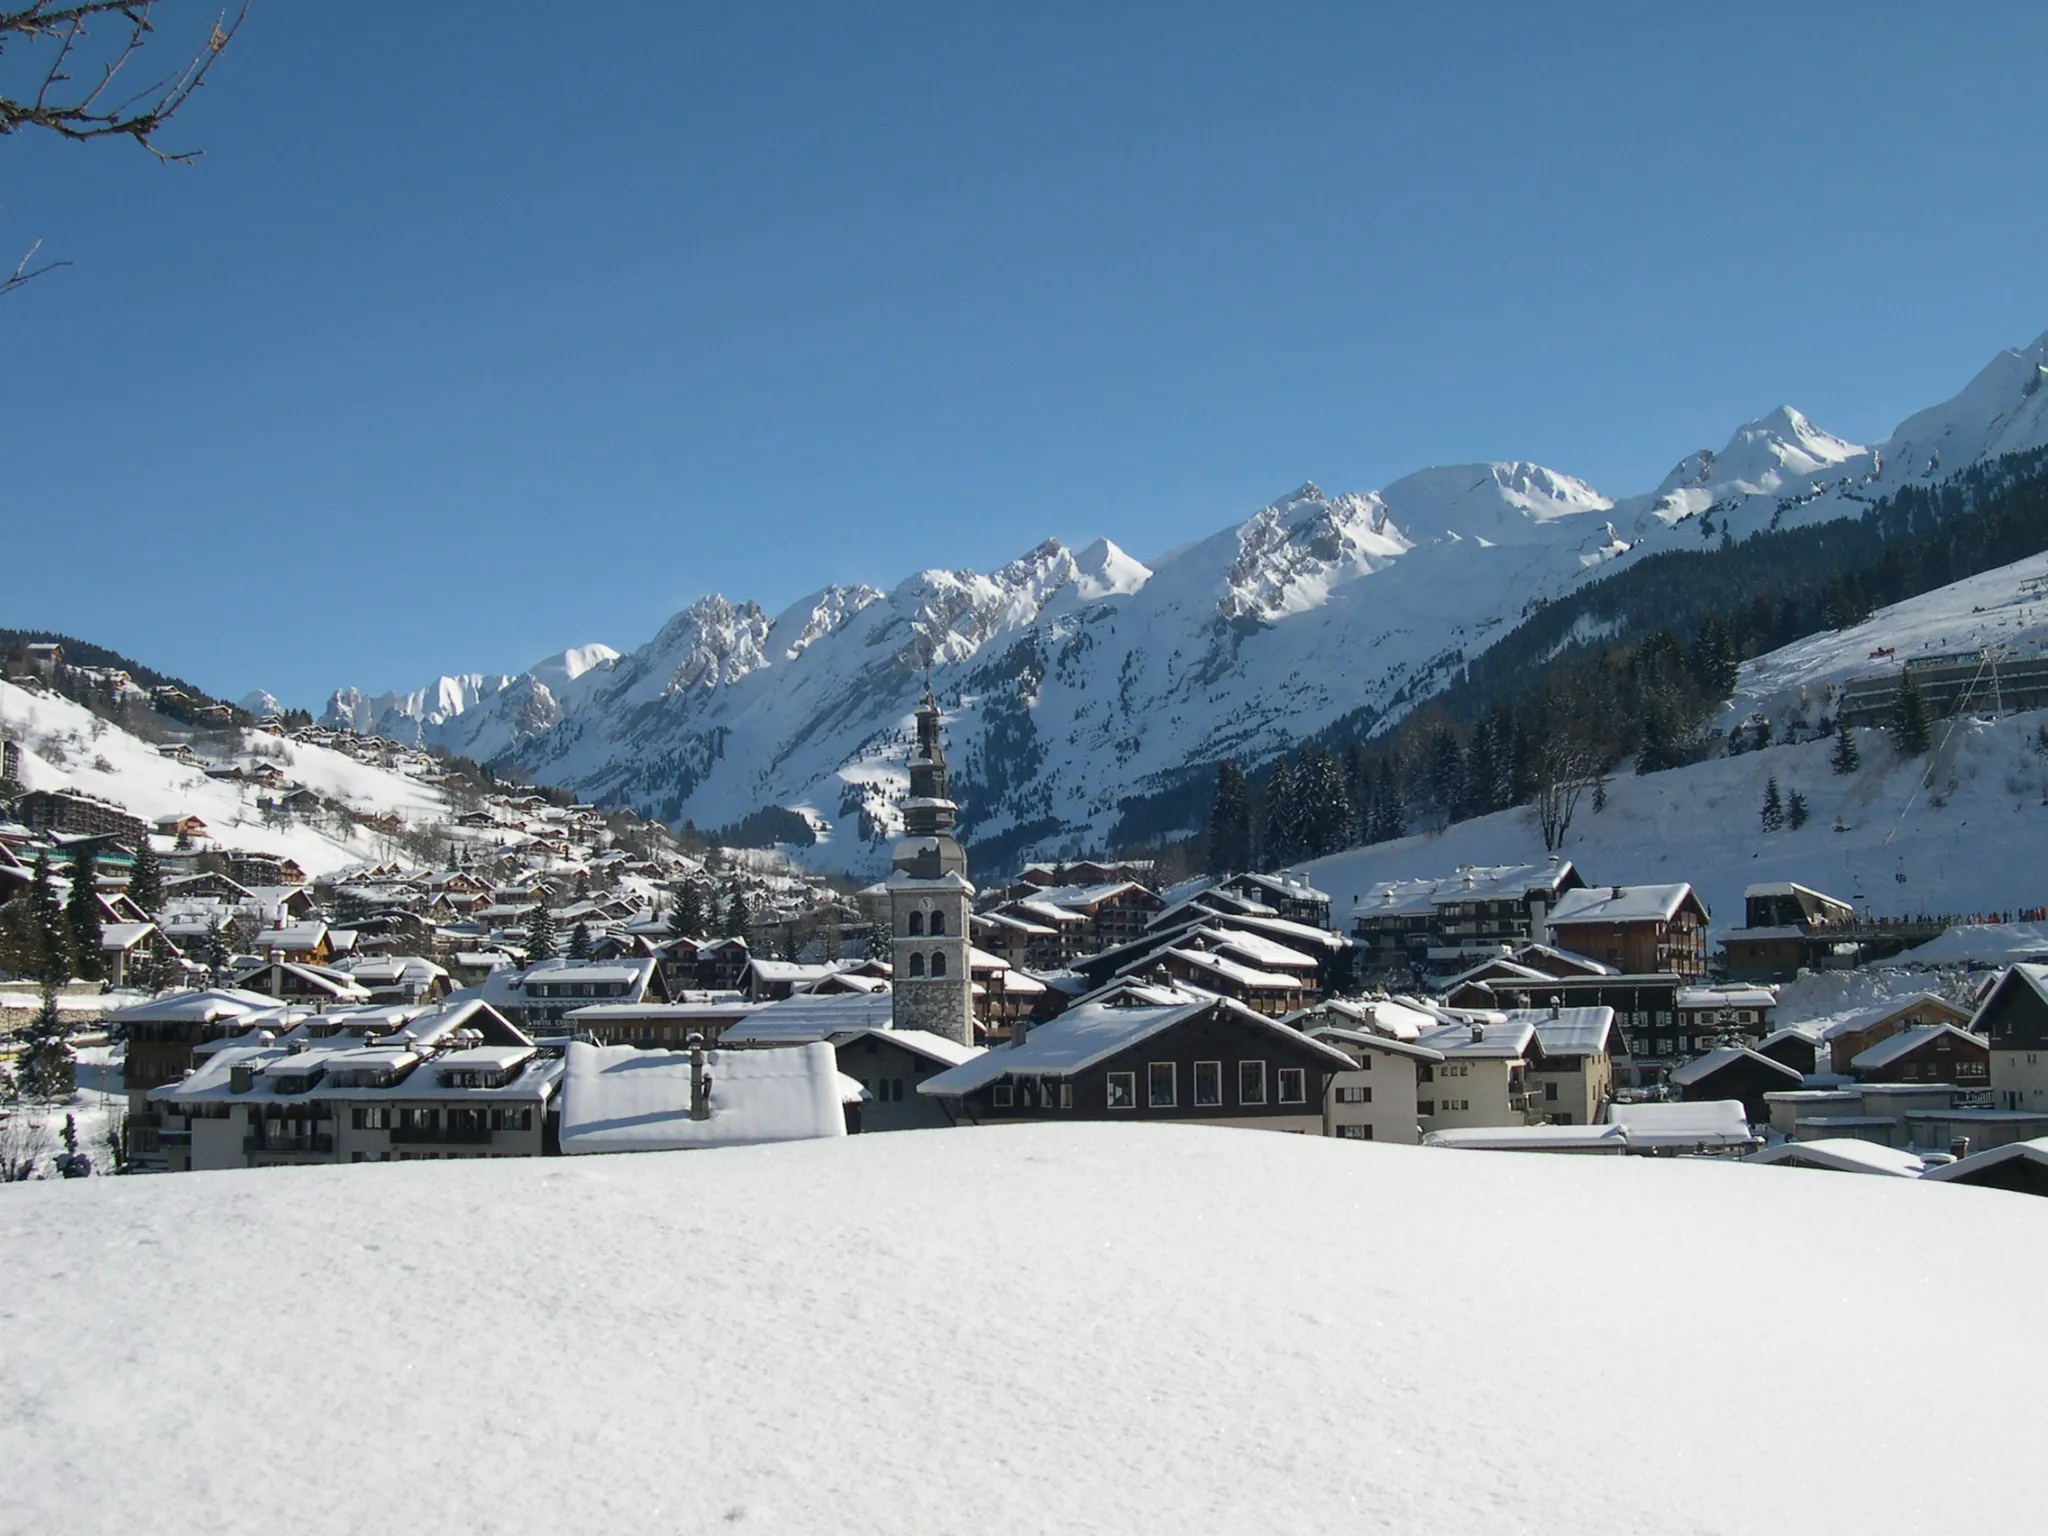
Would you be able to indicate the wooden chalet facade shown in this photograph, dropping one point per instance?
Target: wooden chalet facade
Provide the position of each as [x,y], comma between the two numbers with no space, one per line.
[1639,928]
[1151,1055]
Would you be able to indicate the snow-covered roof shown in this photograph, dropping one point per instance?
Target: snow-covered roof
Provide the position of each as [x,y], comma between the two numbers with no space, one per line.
[1727,997]
[1891,1007]
[124,935]
[1620,904]
[1495,1036]
[1368,1040]
[1700,1068]
[921,1042]
[1254,948]
[1881,1055]
[1964,1169]
[1693,1123]
[1093,1031]
[1225,969]
[1571,1031]
[813,1016]
[1841,1154]
[1374,1015]
[1289,886]
[1474,882]
[1533,1138]
[620,1099]
[292,936]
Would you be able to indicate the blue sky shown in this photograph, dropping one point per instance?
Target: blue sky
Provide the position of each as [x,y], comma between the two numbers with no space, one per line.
[474,336]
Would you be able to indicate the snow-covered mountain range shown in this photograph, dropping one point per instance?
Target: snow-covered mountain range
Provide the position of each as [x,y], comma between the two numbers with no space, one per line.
[1074,679]
[476,714]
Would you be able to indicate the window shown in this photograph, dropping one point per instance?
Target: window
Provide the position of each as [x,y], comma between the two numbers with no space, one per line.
[938,925]
[1066,1096]
[1027,1092]
[916,964]
[512,1119]
[374,1118]
[1550,1092]
[916,925]
[1002,1097]
[1293,1085]
[1365,1062]
[1354,1133]
[1251,1082]
[1359,1095]
[1425,1073]
[1425,1107]
[1123,1090]
[938,958]
[1159,1085]
[1208,1082]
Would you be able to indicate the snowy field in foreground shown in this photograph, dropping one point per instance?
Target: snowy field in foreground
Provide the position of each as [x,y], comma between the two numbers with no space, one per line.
[1073,1327]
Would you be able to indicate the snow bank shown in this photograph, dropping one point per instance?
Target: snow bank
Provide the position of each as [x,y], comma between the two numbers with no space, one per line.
[1048,1328]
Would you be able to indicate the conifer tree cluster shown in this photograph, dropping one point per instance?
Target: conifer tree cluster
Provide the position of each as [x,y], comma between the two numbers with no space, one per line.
[1911,730]
[686,917]
[1845,758]
[540,935]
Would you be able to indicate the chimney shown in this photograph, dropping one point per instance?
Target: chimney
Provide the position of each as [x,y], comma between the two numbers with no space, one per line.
[1554,1009]
[1959,1147]
[240,1078]
[1019,1030]
[700,1081]
[1539,921]
[1617,890]
[1478,1033]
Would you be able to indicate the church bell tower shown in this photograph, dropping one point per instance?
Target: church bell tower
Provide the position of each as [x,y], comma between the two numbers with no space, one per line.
[930,899]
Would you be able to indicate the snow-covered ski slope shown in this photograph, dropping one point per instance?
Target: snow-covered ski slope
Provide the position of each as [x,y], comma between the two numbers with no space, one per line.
[1962,830]
[1057,1328]
[1077,678]
[66,746]
[2003,611]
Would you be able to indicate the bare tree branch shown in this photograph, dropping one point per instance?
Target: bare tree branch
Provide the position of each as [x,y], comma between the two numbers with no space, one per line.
[70,109]
[24,273]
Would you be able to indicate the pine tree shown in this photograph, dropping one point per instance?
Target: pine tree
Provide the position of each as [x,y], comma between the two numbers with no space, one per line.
[52,940]
[82,915]
[1447,773]
[540,935]
[1325,815]
[1279,841]
[1480,768]
[146,884]
[1910,731]
[43,1066]
[686,918]
[1389,816]
[1796,814]
[579,942]
[1230,823]
[737,918]
[1774,806]
[1845,758]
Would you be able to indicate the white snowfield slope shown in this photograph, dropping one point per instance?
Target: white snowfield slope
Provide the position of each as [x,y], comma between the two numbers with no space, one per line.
[1961,830]
[1074,679]
[1103,1328]
[66,746]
